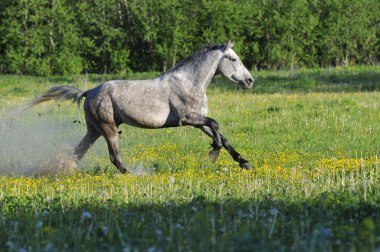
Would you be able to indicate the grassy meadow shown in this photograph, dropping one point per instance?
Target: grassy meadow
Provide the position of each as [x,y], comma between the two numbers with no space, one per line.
[313,137]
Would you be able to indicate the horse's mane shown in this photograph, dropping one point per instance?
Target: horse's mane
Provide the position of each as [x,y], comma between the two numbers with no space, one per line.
[196,55]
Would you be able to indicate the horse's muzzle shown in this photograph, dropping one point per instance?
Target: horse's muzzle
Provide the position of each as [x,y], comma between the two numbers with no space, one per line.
[247,83]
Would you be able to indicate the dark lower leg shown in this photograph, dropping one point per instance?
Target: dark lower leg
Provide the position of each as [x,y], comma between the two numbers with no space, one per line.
[216,145]
[85,144]
[235,155]
[211,128]
[207,124]
[216,148]
[214,152]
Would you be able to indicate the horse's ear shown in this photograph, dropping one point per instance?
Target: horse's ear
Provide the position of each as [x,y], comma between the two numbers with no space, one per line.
[230,44]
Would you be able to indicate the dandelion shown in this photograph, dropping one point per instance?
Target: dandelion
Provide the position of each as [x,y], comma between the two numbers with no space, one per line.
[274,211]
[171,180]
[152,249]
[49,246]
[178,226]
[127,249]
[85,216]
[39,224]
[159,234]
[105,230]
[45,212]
[325,232]
[10,245]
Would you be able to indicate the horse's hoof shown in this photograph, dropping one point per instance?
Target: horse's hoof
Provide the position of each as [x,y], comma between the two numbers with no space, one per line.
[245,165]
[214,153]
[123,170]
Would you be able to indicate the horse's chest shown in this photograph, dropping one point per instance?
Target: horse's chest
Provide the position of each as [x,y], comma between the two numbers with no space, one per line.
[204,109]
[197,102]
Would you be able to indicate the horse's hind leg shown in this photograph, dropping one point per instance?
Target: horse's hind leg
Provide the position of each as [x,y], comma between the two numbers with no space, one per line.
[110,133]
[91,136]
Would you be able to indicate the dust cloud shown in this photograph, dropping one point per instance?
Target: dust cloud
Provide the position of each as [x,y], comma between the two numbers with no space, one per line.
[41,141]
[33,143]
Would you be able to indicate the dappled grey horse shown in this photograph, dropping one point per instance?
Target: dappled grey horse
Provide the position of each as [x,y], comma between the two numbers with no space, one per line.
[175,98]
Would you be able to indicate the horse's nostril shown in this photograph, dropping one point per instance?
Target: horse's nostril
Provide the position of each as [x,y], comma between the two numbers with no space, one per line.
[249,80]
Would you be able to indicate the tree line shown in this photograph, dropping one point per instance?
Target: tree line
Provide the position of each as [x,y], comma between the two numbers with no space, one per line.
[49,37]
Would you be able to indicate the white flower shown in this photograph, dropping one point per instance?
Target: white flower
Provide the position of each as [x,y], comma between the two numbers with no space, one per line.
[39,224]
[126,249]
[274,211]
[171,180]
[85,216]
[10,245]
[105,230]
[45,212]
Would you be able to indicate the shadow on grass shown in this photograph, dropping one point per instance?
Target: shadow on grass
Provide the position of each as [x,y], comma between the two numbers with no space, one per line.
[322,224]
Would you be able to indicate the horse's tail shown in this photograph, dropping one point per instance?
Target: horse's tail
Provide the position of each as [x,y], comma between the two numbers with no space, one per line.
[59,93]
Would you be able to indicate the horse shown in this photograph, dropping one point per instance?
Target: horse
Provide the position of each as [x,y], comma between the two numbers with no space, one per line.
[172,99]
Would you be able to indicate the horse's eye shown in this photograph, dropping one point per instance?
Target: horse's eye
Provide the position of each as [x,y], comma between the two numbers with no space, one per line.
[232,59]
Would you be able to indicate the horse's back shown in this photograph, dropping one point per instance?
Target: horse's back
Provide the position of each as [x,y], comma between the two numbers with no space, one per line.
[141,103]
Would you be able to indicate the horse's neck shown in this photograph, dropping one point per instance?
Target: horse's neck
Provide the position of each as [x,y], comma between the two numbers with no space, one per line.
[203,71]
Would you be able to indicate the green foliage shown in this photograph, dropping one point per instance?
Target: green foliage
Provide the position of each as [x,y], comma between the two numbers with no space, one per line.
[349,33]
[40,37]
[105,48]
[44,37]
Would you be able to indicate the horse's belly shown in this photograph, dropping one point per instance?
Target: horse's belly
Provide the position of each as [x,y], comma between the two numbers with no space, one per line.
[145,119]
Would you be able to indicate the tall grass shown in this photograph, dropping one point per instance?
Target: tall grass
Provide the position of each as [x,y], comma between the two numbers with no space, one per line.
[312,136]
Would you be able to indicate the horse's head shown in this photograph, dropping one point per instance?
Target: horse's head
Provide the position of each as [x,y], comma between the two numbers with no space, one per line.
[233,69]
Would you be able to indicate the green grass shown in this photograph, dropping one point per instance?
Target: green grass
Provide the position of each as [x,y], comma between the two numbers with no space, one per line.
[312,135]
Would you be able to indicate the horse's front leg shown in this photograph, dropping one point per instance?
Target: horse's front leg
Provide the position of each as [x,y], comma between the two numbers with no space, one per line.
[211,128]
[234,154]
[216,146]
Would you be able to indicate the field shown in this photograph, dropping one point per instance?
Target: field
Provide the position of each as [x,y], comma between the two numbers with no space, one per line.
[313,137]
